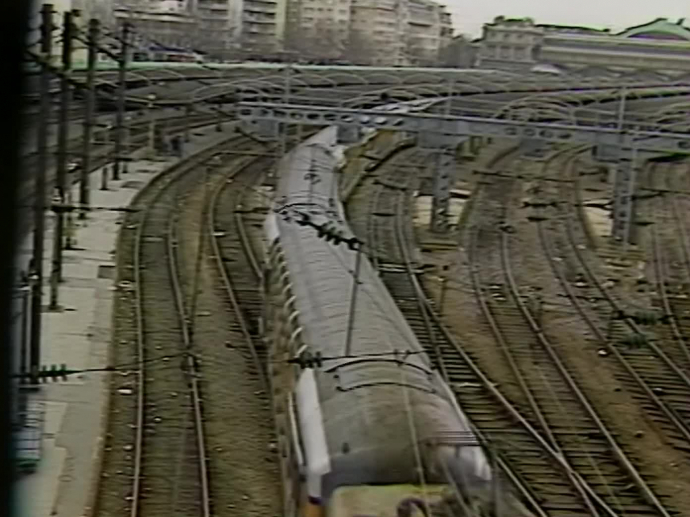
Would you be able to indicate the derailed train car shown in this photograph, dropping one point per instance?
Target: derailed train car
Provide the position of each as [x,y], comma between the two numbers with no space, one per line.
[368,429]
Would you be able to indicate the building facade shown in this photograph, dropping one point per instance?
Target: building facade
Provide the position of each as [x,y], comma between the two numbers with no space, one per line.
[429,31]
[161,22]
[218,26]
[222,29]
[374,32]
[377,34]
[317,29]
[520,44]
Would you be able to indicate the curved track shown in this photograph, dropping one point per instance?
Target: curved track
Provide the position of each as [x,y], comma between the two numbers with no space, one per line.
[532,467]
[594,472]
[166,422]
[657,375]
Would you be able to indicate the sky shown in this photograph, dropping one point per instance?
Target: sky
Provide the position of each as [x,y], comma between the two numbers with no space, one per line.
[469,15]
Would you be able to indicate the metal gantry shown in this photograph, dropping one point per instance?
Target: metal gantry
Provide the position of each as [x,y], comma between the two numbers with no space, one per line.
[445,131]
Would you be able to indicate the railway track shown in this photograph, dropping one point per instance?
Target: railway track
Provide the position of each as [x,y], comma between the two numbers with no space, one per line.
[557,404]
[609,483]
[654,375]
[532,466]
[163,483]
[188,324]
[238,207]
[671,267]
[246,477]
[235,256]
[162,459]
[558,247]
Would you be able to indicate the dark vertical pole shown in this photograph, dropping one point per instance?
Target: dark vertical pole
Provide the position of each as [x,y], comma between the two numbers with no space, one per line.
[60,181]
[40,194]
[84,194]
[353,300]
[119,119]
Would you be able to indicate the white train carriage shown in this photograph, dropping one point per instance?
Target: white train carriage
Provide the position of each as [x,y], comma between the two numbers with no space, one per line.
[365,429]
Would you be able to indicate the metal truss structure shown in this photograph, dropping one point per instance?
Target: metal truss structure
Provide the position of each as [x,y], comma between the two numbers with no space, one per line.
[662,142]
[624,120]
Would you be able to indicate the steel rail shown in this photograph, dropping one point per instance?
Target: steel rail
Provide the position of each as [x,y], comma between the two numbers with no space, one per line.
[192,372]
[505,348]
[661,275]
[682,225]
[225,277]
[617,307]
[548,346]
[503,402]
[177,172]
[407,260]
[244,237]
[589,497]
[425,309]
[631,370]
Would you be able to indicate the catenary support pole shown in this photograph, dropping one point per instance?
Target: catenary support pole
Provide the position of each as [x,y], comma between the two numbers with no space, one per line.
[353,300]
[120,115]
[61,176]
[40,195]
[152,126]
[84,193]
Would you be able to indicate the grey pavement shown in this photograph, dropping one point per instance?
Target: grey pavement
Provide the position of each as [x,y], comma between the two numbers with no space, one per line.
[79,335]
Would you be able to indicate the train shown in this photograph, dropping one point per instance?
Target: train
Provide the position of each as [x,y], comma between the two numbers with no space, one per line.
[366,426]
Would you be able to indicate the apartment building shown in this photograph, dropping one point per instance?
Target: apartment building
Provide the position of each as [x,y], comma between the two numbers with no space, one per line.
[375,32]
[429,30]
[520,44]
[223,29]
[219,26]
[262,26]
[317,29]
[165,22]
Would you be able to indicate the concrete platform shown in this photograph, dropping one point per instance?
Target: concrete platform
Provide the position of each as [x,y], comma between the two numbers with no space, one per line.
[79,336]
